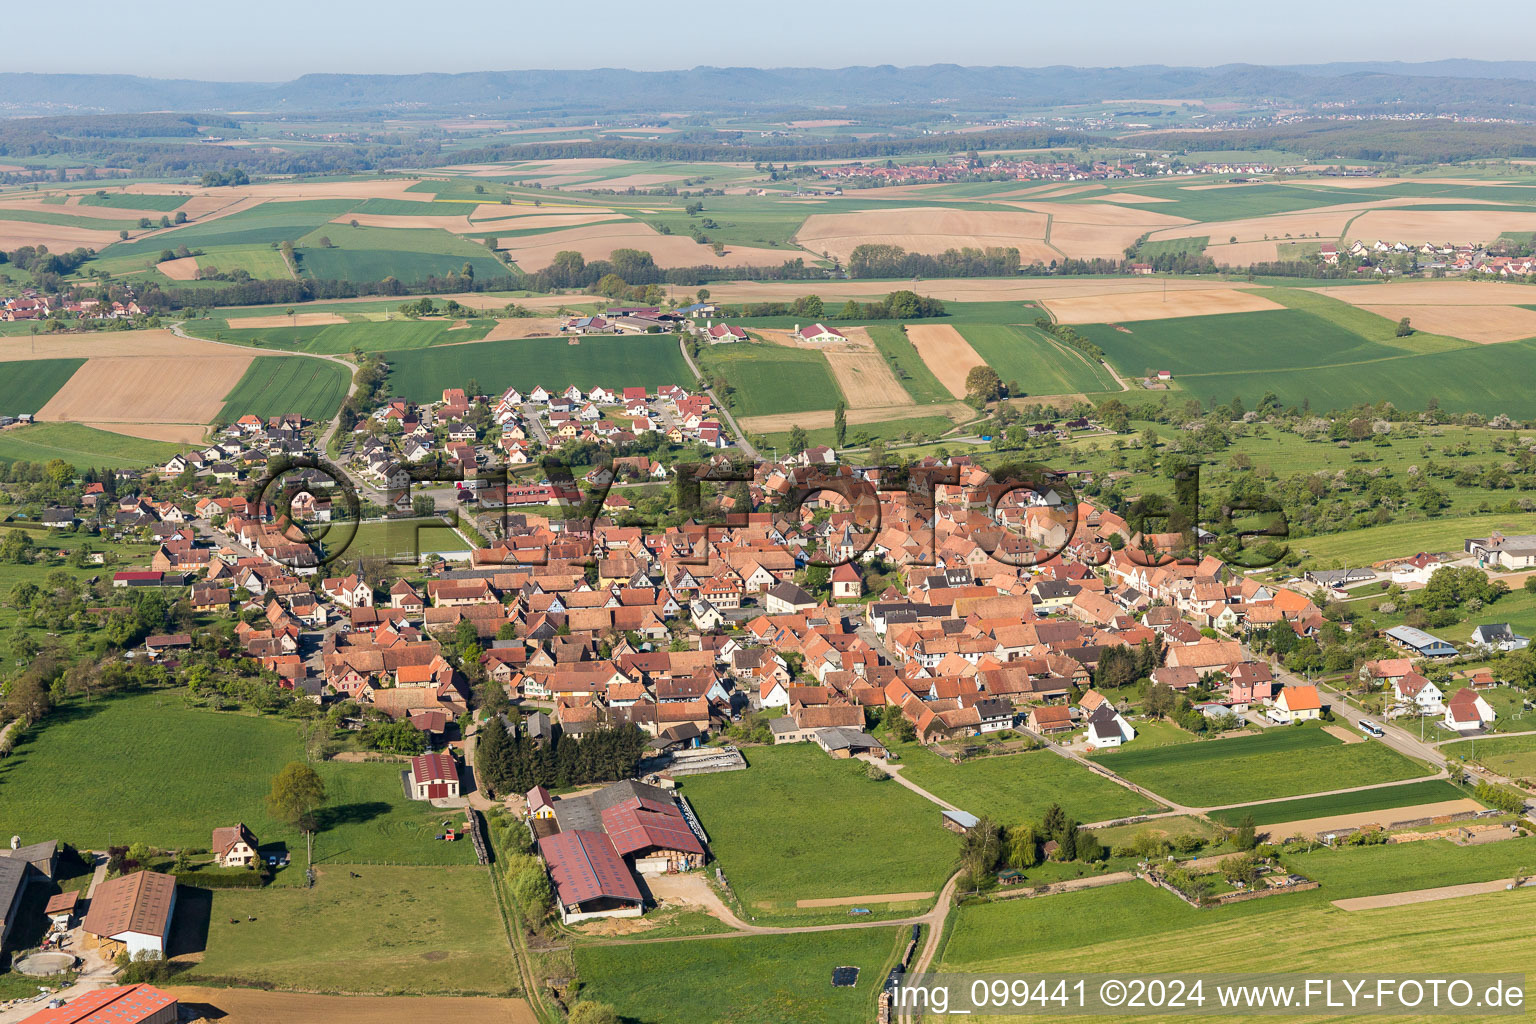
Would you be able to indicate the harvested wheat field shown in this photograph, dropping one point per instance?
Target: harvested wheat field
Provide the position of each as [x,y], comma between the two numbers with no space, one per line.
[184,269]
[132,394]
[1153,305]
[117,343]
[597,242]
[252,1006]
[1453,226]
[1241,254]
[1132,197]
[1486,325]
[1435,293]
[946,353]
[524,327]
[954,289]
[927,230]
[634,181]
[279,320]
[1313,827]
[958,412]
[861,371]
[539,223]
[16,233]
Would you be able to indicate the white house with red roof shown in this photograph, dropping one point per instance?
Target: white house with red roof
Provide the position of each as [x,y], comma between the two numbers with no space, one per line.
[1467,711]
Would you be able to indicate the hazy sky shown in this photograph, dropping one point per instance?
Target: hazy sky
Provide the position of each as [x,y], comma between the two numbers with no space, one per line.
[271,40]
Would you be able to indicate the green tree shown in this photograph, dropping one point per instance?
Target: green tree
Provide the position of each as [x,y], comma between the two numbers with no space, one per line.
[817,579]
[1023,847]
[840,425]
[1404,328]
[798,440]
[297,793]
[1244,838]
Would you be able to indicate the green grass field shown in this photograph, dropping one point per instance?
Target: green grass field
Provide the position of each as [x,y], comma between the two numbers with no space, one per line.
[1173,246]
[1015,788]
[420,375]
[401,536]
[278,385]
[260,261]
[27,387]
[81,446]
[1403,867]
[1150,930]
[757,979]
[769,379]
[1431,791]
[1177,825]
[908,366]
[799,825]
[393,930]
[148,768]
[1512,756]
[1359,547]
[1275,763]
[1040,365]
[926,427]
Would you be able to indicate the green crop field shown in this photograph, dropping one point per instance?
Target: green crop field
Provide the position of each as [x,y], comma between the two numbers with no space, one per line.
[278,385]
[392,335]
[1403,867]
[391,930]
[409,254]
[799,825]
[755,979]
[768,379]
[135,201]
[204,769]
[27,387]
[261,225]
[1275,763]
[1322,356]
[420,375]
[1407,796]
[1015,788]
[1040,365]
[82,446]
[1173,246]
[908,366]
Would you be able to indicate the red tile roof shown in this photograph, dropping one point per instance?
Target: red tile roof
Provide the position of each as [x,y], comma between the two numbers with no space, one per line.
[638,824]
[434,768]
[585,866]
[120,1004]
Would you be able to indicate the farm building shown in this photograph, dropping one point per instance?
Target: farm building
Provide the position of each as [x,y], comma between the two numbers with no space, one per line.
[120,1004]
[1517,552]
[61,908]
[1420,643]
[819,333]
[591,879]
[959,822]
[13,883]
[234,846]
[540,803]
[132,912]
[434,777]
[1340,577]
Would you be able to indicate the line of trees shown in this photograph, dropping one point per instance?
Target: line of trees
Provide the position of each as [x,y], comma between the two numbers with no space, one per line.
[516,764]
[879,259]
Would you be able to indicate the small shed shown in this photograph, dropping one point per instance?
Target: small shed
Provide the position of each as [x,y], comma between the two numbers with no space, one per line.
[959,822]
[61,908]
